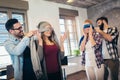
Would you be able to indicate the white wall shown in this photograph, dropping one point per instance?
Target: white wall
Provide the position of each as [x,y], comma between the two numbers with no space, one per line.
[40,10]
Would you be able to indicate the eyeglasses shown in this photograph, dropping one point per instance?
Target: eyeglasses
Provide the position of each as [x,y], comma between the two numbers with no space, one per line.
[19,28]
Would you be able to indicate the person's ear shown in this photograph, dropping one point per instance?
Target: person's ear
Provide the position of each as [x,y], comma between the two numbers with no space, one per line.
[11,31]
[104,22]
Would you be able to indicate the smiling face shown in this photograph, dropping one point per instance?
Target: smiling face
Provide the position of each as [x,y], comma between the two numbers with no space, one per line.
[17,30]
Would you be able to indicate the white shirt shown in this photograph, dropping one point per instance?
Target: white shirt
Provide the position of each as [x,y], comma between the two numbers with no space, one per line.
[104,49]
[89,56]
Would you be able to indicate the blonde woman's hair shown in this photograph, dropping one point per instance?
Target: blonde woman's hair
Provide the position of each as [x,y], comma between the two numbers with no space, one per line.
[88,21]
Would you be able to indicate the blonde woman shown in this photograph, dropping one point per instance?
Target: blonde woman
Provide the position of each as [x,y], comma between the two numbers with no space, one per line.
[91,46]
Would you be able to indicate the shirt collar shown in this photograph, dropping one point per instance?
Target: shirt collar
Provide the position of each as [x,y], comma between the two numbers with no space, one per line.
[12,37]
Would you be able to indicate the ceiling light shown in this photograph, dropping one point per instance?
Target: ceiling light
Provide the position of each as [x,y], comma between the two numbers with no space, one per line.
[70,1]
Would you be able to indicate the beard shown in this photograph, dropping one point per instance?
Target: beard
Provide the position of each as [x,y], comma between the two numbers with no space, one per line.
[20,35]
[101,26]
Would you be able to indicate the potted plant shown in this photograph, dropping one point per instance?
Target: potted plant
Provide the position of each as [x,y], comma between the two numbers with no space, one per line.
[76,52]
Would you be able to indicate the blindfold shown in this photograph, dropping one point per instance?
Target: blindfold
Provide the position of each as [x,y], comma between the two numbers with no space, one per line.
[86,26]
[46,29]
[42,27]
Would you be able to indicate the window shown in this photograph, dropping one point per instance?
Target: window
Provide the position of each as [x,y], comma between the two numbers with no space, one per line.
[67,24]
[5,14]
[3,31]
[20,17]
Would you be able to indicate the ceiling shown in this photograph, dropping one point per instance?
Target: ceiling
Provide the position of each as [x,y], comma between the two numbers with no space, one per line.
[80,3]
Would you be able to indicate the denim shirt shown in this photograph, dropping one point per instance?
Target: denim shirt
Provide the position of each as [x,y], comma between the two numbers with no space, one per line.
[15,48]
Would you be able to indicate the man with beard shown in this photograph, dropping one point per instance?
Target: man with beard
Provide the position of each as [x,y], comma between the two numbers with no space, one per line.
[109,48]
[17,46]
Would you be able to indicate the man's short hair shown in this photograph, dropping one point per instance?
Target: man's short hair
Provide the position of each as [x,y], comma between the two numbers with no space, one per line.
[103,18]
[9,24]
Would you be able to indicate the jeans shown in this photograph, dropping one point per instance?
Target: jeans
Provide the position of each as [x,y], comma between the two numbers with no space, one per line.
[113,65]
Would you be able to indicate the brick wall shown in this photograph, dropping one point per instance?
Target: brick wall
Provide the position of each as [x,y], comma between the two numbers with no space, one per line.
[110,9]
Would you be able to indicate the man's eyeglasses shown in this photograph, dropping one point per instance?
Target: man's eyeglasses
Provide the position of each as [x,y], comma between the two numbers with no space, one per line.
[19,28]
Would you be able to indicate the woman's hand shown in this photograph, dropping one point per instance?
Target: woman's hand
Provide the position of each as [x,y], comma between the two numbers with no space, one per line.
[85,33]
[62,39]
[90,31]
[91,36]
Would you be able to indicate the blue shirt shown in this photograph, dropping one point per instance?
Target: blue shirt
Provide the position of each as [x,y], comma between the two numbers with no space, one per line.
[15,47]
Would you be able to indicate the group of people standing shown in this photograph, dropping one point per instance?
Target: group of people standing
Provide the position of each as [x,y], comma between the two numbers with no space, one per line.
[37,55]
[99,50]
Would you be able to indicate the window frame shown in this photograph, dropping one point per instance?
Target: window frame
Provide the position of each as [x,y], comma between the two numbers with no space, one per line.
[74,32]
[9,12]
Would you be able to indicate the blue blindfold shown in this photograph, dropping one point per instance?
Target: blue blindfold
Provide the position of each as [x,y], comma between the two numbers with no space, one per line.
[86,26]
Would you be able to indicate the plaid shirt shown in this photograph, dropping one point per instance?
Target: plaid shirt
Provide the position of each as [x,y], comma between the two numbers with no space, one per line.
[112,45]
[97,50]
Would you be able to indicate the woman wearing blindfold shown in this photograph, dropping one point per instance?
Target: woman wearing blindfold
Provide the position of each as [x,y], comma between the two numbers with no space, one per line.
[50,50]
[91,48]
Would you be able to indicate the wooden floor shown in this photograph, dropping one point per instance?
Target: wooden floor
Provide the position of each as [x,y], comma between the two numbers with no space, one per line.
[77,76]
[80,76]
